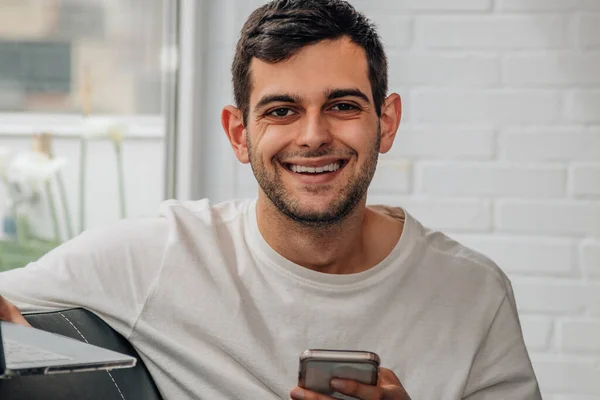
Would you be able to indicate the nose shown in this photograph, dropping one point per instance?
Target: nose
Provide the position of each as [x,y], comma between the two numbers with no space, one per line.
[315,132]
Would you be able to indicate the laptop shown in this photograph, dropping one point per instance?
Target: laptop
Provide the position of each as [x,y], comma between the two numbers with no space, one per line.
[30,351]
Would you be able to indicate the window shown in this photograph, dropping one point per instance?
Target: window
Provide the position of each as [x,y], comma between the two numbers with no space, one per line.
[84,98]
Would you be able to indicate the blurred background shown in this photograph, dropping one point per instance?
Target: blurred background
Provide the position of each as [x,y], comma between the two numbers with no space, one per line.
[83,103]
[107,107]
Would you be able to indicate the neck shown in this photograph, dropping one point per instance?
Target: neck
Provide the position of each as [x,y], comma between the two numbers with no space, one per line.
[340,248]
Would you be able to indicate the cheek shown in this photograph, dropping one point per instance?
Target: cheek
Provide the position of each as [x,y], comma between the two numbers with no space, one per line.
[358,137]
[274,139]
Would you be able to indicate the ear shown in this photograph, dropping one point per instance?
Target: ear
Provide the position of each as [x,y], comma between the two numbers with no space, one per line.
[233,125]
[391,113]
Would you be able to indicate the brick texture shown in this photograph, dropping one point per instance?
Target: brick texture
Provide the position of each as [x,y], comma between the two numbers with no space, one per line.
[403,6]
[550,144]
[577,218]
[580,336]
[590,258]
[537,332]
[585,180]
[491,179]
[500,106]
[580,378]
[528,256]
[551,70]
[491,32]
[443,142]
[588,31]
[583,106]
[444,70]
[548,5]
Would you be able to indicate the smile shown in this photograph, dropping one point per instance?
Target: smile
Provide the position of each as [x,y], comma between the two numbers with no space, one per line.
[314,170]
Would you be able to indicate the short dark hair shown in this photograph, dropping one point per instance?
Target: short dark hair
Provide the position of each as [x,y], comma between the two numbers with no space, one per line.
[281,28]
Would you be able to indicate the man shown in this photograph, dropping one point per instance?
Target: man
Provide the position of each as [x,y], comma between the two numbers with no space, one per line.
[221,300]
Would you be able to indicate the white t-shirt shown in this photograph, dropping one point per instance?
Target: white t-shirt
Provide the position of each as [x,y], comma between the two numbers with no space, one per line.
[216,313]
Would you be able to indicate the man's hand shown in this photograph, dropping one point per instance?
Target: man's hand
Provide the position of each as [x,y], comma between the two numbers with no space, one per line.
[388,388]
[9,312]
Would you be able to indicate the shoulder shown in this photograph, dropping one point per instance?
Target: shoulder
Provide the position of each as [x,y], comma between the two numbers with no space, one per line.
[153,232]
[203,212]
[114,241]
[458,265]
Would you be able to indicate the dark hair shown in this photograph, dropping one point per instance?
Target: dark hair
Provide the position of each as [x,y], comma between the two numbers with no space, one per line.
[280,28]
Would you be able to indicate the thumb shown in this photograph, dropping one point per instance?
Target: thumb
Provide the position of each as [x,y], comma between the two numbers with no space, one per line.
[9,312]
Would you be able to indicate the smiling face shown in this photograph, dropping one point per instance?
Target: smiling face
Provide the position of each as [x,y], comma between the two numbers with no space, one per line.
[314,186]
[313,135]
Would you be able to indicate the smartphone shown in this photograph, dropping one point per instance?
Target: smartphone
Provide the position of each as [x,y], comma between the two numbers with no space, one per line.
[319,367]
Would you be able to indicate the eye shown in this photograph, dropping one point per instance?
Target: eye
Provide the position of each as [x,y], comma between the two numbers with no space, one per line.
[344,107]
[280,112]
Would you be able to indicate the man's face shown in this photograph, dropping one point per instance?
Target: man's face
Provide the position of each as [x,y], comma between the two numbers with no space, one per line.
[312,132]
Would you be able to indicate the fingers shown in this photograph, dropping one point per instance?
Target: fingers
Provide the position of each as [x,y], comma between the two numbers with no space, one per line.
[391,391]
[388,377]
[388,388]
[355,390]
[9,312]
[390,382]
[359,390]
[303,394]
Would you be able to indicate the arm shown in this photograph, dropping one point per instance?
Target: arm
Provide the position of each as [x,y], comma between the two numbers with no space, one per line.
[109,271]
[501,368]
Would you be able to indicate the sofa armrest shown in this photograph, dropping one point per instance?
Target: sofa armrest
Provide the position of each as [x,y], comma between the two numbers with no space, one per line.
[118,384]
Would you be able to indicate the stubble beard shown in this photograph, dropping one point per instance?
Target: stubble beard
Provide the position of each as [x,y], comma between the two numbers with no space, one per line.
[346,199]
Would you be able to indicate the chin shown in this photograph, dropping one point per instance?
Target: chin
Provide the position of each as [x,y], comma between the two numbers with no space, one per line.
[317,211]
[315,204]
[313,212]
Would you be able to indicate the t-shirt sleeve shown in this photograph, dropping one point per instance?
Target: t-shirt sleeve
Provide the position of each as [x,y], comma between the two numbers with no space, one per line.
[109,271]
[501,368]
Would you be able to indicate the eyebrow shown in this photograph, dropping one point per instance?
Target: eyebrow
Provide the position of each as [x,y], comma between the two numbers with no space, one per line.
[330,94]
[351,92]
[272,98]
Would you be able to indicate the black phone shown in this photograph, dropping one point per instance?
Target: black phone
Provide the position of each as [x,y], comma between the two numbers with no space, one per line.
[319,367]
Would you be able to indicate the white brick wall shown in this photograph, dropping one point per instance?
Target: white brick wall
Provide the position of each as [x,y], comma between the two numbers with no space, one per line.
[587,31]
[583,106]
[548,5]
[548,143]
[555,297]
[485,179]
[590,258]
[442,142]
[499,146]
[585,180]
[552,217]
[566,376]
[551,70]
[404,6]
[580,336]
[392,176]
[461,215]
[530,256]
[537,332]
[444,70]
[397,30]
[491,32]
[497,106]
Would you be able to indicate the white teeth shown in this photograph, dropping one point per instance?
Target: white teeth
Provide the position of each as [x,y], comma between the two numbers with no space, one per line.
[312,170]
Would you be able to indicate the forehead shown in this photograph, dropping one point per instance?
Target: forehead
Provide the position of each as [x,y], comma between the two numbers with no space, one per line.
[309,73]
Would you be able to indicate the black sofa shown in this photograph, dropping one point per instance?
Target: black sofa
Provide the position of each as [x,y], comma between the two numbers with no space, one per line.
[120,384]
